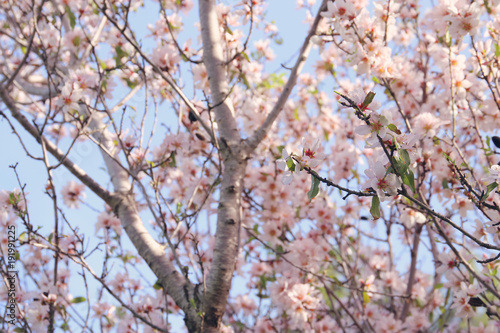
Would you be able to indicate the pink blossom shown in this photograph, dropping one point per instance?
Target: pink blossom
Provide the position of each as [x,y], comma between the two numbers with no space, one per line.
[494,176]
[69,99]
[448,262]
[409,217]
[74,40]
[73,194]
[463,205]
[103,309]
[245,303]
[304,300]
[417,322]
[464,20]
[377,127]
[426,123]
[462,306]
[166,57]
[383,184]
[341,9]
[107,221]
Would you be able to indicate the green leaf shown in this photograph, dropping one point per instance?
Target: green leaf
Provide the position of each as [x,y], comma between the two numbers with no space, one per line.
[178,209]
[78,299]
[410,180]
[313,192]
[172,163]
[71,16]
[489,188]
[280,149]
[296,113]
[368,99]
[119,55]
[50,237]
[245,56]
[375,208]
[13,200]
[401,166]
[76,41]
[366,298]
[22,237]
[497,50]
[374,79]
[193,303]
[403,153]
[157,285]
[394,128]
[447,38]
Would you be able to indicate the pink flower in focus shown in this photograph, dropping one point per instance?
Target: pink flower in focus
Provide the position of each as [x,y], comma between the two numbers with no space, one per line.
[69,98]
[381,182]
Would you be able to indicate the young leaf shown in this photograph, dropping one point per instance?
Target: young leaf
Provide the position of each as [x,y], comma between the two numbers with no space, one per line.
[78,299]
[368,99]
[400,165]
[314,188]
[366,298]
[403,153]
[394,128]
[157,285]
[375,209]
[71,16]
[411,180]
[489,188]
[280,149]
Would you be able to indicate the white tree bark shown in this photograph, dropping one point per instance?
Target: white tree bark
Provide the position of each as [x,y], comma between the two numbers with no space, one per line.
[234,164]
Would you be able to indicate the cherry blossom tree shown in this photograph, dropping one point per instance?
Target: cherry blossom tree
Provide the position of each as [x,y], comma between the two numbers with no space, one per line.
[354,189]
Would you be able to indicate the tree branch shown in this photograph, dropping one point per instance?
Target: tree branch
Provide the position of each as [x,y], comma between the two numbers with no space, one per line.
[56,152]
[261,132]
